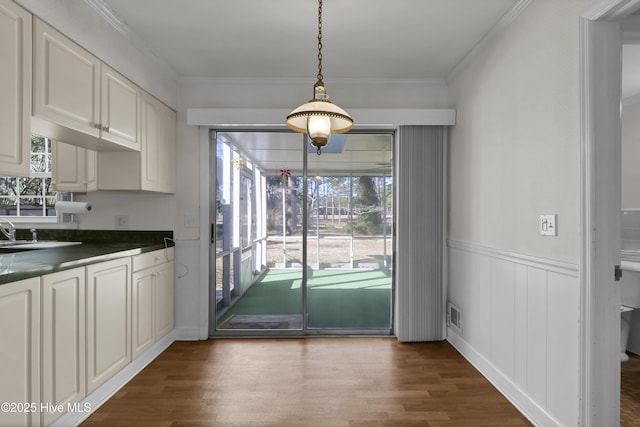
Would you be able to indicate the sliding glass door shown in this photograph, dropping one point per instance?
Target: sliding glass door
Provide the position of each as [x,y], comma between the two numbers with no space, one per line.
[280,207]
[349,236]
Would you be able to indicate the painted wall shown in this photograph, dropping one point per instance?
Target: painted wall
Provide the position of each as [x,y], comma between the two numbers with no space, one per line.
[146,211]
[514,154]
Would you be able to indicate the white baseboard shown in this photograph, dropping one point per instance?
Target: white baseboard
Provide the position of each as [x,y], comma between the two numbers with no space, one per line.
[529,408]
[100,395]
[186,333]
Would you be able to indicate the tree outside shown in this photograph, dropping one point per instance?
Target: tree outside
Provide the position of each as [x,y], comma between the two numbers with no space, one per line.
[32,193]
[367,207]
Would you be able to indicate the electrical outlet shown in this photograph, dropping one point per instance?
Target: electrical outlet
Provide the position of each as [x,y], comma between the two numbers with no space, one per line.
[548,225]
[122,222]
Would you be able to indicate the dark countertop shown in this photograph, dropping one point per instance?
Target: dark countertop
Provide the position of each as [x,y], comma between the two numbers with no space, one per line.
[23,265]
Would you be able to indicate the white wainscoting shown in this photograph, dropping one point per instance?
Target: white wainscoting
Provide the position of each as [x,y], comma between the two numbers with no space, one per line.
[520,327]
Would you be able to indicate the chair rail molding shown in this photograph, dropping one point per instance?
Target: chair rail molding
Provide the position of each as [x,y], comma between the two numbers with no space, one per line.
[561,267]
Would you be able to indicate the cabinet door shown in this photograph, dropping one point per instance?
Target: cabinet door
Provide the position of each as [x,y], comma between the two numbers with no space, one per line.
[74,168]
[151,134]
[69,167]
[142,331]
[63,339]
[15,87]
[108,320]
[92,170]
[164,299]
[120,109]
[20,350]
[66,83]
[168,153]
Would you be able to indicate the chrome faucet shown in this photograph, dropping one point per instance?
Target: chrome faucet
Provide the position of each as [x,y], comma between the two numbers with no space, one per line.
[8,229]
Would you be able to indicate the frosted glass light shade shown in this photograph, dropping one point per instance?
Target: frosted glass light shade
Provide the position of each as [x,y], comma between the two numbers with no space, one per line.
[318,127]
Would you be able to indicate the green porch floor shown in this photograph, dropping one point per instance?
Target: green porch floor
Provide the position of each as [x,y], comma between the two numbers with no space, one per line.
[336,299]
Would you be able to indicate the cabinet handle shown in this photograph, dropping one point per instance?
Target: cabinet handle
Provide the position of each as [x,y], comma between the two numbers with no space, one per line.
[105,128]
[96,125]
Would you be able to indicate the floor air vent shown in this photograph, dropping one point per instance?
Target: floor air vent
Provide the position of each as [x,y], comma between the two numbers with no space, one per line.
[454,318]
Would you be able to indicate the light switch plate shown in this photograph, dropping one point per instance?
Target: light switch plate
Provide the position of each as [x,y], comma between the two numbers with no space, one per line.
[190,221]
[548,225]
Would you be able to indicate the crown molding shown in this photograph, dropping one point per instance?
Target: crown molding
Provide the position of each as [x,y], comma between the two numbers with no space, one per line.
[488,38]
[121,27]
[610,10]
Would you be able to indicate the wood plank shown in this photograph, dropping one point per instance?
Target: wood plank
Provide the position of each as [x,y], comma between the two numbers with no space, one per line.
[308,382]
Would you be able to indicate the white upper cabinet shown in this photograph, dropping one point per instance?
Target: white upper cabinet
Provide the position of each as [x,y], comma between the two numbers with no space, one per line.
[78,99]
[158,146]
[66,84]
[120,109]
[15,89]
[151,169]
[74,168]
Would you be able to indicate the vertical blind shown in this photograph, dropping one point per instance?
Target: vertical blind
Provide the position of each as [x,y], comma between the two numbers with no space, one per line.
[420,184]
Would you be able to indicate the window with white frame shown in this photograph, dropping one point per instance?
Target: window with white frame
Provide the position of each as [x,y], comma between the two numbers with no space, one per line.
[30,196]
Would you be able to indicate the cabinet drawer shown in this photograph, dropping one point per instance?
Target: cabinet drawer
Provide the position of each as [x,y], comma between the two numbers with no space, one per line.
[151,259]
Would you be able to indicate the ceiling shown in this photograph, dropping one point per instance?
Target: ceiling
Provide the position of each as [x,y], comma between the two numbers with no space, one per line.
[261,40]
[277,39]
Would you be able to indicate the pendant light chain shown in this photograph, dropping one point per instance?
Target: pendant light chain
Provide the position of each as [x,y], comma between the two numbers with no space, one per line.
[319,118]
[319,40]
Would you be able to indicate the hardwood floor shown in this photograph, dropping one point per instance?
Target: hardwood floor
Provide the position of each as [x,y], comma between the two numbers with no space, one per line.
[308,382]
[630,392]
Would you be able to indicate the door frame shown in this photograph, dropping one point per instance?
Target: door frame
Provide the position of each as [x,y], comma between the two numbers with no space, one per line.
[209,164]
[600,77]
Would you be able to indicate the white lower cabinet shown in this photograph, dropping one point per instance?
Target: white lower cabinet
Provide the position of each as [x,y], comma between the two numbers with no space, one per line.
[66,333]
[152,282]
[20,352]
[108,320]
[63,340]
[142,331]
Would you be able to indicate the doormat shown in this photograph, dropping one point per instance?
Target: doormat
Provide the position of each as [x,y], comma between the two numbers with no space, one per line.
[263,321]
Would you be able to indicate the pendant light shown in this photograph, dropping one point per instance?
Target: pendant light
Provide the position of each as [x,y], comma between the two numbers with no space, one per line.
[319,118]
